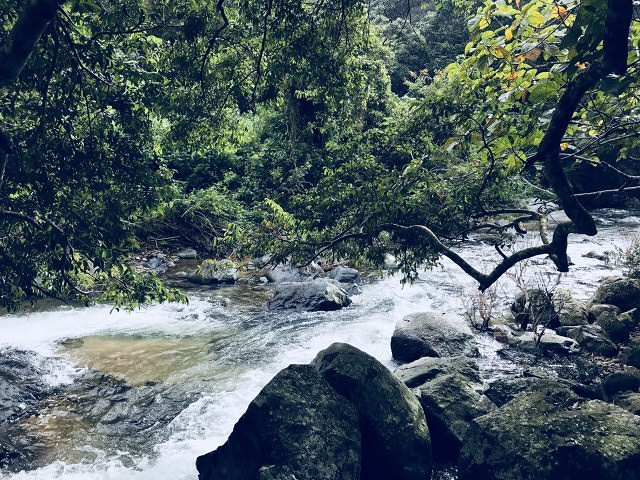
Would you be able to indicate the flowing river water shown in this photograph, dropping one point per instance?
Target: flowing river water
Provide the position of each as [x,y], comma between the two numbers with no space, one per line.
[216,353]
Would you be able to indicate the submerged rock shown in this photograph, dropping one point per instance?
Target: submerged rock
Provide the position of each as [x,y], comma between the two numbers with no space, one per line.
[215,272]
[312,296]
[297,427]
[432,335]
[551,433]
[623,292]
[395,438]
[344,274]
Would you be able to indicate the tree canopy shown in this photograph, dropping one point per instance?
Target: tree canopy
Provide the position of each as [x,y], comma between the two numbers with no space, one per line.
[301,128]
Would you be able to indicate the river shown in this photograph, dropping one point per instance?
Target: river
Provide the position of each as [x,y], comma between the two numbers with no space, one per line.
[217,352]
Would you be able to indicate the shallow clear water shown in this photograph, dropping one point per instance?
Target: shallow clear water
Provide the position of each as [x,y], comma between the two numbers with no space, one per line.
[223,347]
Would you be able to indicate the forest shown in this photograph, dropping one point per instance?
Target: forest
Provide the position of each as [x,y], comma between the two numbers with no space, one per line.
[346,129]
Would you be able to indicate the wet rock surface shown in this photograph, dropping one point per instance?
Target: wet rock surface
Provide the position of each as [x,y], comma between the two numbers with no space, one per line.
[622,292]
[552,433]
[215,272]
[312,296]
[395,438]
[297,425]
[432,335]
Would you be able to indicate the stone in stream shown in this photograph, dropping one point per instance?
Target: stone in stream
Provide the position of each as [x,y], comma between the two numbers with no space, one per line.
[316,295]
[526,341]
[608,318]
[22,388]
[571,312]
[187,253]
[551,433]
[591,338]
[626,380]
[215,272]
[630,401]
[297,427]
[622,292]
[431,334]
[344,274]
[395,438]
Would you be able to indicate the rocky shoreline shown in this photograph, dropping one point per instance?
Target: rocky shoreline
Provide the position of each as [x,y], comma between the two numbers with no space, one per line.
[436,409]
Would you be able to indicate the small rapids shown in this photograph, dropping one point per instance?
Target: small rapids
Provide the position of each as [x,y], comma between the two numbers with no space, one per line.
[140,395]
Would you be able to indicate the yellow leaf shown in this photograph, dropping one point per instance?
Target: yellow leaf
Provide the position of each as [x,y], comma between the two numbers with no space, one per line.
[508,34]
[519,58]
[512,75]
[564,146]
[518,3]
[560,12]
[484,23]
[581,65]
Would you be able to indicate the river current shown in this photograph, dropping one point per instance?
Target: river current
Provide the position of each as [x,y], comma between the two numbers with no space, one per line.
[223,347]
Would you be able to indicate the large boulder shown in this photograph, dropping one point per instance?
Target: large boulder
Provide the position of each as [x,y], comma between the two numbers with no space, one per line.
[395,438]
[549,434]
[316,295]
[450,403]
[297,427]
[535,306]
[592,339]
[608,318]
[548,342]
[425,369]
[215,272]
[622,292]
[431,334]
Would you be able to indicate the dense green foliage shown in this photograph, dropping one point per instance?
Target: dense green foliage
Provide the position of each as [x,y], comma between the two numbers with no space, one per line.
[288,127]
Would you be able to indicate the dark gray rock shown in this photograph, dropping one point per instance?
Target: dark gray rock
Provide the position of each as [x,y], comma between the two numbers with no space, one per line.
[285,273]
[623,292]
[297,425]
[425,369]
[312,296]
[432,335]
[156,265]
[592,339]
[550,434]
[450,403]
[344,274]
[608,318]
[215,272]
[631,354]
[395,438]
[627,380]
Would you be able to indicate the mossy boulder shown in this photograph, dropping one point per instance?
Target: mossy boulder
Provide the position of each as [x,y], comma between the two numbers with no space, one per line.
[550,434]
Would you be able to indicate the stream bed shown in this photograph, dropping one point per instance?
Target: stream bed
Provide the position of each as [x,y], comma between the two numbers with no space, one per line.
[140,395]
